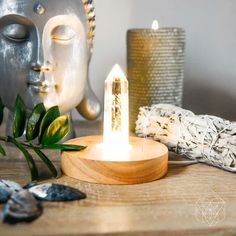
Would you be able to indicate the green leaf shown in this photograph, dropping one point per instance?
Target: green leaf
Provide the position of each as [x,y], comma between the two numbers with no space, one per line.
[1,111]
[2,151]
[66,147]
[44,158]
[56,131]
[48,118]
[28,157]
[33,124]
[19,118]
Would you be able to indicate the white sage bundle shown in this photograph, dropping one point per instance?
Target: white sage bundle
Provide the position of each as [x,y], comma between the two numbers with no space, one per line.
[203,138]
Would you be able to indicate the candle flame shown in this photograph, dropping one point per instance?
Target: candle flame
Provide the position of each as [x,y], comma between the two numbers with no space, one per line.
[155,25]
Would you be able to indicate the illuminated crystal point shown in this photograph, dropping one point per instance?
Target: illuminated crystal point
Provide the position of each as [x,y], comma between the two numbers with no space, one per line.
[116,109]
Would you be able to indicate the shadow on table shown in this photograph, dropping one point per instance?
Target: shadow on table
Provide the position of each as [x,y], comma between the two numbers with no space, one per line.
[178,164]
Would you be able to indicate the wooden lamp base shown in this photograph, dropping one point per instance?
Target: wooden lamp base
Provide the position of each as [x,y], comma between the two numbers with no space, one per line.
[144,161]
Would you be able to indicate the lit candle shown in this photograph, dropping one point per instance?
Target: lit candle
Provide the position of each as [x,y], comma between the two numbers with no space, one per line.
[155,67]
[116,110]
[155,25]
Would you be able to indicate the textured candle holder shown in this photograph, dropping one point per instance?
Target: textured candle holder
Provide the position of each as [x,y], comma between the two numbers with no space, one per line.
[155,68]
[145,161]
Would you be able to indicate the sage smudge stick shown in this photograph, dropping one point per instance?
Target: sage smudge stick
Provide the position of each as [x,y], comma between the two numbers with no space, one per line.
[204,138]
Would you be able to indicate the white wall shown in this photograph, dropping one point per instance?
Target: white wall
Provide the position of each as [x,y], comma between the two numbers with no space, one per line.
[210,68]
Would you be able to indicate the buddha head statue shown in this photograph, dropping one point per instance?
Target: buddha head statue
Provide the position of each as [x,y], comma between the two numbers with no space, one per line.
[44,54]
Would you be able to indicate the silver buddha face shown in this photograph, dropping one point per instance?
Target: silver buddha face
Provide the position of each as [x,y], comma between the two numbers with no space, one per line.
[44,51]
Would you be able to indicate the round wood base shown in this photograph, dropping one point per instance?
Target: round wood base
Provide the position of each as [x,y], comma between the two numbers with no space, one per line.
[144,161]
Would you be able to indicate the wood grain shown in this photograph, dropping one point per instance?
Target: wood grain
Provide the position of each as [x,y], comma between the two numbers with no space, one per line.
[164,207]
[145,161]
[168,206]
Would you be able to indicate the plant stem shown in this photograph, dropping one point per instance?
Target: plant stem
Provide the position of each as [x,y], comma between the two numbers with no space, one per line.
[6,140]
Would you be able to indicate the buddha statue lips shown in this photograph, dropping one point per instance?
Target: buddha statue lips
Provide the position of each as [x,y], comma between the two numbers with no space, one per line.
[45,52]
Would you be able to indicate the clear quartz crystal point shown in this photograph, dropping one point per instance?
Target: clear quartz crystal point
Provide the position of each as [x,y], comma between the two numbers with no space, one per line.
[116,109]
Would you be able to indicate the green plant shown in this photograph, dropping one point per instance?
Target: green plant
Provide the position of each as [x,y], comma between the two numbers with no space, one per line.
[47,127]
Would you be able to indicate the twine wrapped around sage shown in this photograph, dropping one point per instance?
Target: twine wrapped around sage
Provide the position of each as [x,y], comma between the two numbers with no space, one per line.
[204,138]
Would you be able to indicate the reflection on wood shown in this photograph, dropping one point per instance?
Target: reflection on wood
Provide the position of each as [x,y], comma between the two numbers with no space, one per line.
[165,207]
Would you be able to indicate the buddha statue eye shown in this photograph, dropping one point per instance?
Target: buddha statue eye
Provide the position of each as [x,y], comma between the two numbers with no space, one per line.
[16,32]
[62,34]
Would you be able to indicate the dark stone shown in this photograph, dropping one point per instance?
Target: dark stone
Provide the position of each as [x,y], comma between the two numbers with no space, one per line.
[7,188]
[22,207]
[4,195]
[30,185]
[56,192]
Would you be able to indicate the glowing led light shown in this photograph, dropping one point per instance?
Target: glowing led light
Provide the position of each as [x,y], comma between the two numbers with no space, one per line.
[116,110]
[155,25]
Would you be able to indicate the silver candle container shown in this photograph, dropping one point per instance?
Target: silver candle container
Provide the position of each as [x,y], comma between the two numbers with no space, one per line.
[155,68]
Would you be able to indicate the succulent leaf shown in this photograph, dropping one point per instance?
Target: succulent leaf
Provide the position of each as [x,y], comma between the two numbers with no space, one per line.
[34,121]
[1,111]
[56,131]
[66,147]
[31,163]
[2,151]
[52,114]
[19,118]
[45,159]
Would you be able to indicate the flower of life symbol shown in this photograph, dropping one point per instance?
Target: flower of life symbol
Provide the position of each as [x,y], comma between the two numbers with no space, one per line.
[210,209]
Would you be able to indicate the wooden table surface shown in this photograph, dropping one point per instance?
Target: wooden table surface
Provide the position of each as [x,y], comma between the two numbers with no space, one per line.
[190,200]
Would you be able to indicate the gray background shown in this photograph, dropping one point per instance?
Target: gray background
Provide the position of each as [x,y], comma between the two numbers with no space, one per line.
[210,68]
